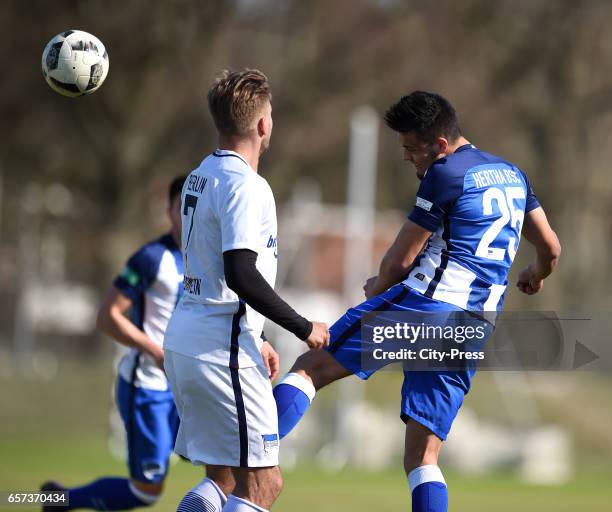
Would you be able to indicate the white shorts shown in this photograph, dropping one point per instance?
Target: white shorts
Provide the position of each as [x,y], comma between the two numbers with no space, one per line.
[228,416]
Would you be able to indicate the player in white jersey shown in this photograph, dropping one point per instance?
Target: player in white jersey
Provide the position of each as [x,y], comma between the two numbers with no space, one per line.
[148,288]
[217,363]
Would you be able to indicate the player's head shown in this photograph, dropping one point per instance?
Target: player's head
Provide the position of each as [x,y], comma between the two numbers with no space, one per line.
[427,125]
[240,103]
[174,205]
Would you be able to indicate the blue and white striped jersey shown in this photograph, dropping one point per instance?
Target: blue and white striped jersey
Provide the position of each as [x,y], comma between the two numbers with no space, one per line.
[153,281]
[474,203]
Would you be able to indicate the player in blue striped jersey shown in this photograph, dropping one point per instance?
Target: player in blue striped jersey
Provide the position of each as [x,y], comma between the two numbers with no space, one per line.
[474,203]
[148,289]
[453,253]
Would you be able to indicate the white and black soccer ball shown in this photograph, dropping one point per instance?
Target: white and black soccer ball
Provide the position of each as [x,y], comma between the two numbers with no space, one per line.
[75,63]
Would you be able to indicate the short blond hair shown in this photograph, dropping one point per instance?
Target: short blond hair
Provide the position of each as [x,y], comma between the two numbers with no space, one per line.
[236,98]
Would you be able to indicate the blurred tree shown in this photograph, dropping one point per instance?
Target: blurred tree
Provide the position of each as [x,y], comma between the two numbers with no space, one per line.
[530,79]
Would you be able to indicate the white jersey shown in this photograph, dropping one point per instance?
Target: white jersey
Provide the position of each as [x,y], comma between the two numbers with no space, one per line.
[226,205]
[153,281]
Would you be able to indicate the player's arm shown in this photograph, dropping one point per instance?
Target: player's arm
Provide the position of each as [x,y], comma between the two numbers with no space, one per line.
[538,232]
[113,322]
[437,192]
[129,287]
[240,213]
[242,276]
[398,260]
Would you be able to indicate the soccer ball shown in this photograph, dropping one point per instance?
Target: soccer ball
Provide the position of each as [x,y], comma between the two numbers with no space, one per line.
[75,63]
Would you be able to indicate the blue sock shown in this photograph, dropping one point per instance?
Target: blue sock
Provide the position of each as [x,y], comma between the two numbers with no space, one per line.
[109,494]
[428,488]
[293,395]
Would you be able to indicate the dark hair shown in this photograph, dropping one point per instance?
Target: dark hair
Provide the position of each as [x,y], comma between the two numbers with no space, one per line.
[236,98]
[429,115]
[176,187]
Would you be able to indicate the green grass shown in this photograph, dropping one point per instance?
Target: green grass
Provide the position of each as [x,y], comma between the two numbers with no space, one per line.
[74,461]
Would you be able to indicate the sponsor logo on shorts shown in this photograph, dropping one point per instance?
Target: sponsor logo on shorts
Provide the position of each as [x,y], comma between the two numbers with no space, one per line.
[270,442]
[192,285]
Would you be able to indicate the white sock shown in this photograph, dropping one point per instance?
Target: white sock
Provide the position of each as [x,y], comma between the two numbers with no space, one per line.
[204,497]
[303,384]
[235,504]
[424,474]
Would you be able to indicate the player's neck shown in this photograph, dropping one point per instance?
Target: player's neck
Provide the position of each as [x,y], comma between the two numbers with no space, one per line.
[461,141]
[245,147]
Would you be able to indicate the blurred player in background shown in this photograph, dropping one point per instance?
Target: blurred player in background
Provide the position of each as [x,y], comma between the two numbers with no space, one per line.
[453,253]
[148,288]
[218,366]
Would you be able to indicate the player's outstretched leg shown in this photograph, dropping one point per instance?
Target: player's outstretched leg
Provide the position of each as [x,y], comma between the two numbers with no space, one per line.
[427,485]
[296,390]
[318,368]
[109,493]
[210,495]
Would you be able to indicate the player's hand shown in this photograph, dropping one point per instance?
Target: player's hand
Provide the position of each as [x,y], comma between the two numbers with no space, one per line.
[271,359]
[319,337]
[157,353]
[529,282]
[369,286]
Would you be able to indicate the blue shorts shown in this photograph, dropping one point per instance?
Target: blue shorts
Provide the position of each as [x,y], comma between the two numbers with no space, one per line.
[151,423]
[432,398]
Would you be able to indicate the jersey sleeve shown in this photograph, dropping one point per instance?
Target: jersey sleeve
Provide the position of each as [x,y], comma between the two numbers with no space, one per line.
[138,274]
[532,201]
[240,217]
[436,195]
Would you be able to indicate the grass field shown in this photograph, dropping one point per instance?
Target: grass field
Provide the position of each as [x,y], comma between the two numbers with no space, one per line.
[26,463]
[58,429]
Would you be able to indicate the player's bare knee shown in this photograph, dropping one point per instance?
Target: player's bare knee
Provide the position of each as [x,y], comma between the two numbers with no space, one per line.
[319,367]
[422,446]
[261,486]
[223,477]
[276,483]
[303,364]
[270,486]
[306,366]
